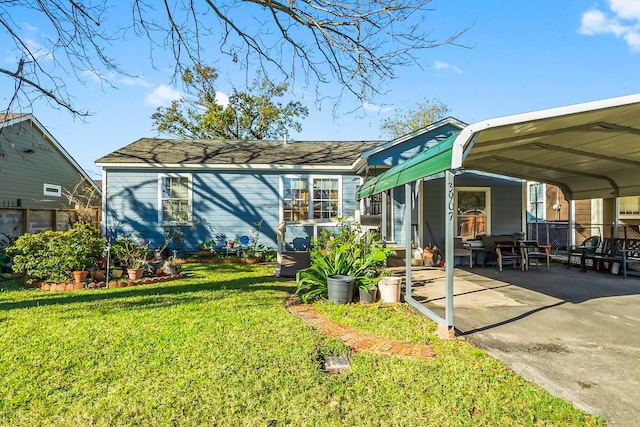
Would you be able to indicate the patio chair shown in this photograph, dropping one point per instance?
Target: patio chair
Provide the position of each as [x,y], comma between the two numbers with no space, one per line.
[460,250]
[531,250]
[509,251]
[588,248]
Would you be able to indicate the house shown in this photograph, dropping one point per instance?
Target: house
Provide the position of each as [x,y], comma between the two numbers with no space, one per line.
[548,215]
[227,187]
[38,176]
[485,204]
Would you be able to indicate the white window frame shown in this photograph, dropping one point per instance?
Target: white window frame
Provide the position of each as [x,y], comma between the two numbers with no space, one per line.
[309,179]
[487,198]
[189,196]
[52,190]
[628,215]
[543,202]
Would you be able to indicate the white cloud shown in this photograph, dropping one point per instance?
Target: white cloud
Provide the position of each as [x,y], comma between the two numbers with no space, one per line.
[376,108]
[222,99]
[622,20]
[135,81]
[92,75]
[445,66]
[162,96]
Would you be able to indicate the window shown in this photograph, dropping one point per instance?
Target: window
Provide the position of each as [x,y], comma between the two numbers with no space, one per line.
[52,190]
[299,203]
[175,198]
[536,200]
[325,198]
[472,211]
[629,206]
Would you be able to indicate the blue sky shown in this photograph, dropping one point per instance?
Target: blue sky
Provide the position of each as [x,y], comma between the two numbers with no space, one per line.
[523,56]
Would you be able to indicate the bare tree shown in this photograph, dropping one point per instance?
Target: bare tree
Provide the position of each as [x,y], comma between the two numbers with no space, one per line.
[356,43]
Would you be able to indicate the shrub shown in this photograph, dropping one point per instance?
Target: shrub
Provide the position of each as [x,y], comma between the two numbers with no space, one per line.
[130,252]
[52,256]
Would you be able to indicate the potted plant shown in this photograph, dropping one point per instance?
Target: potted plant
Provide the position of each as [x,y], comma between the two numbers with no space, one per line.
[131,254]
[115,271]
[233,242]
[350,253]
[171,266]
[205,248]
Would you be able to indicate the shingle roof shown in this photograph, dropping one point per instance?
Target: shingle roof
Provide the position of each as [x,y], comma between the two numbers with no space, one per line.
[172,151]
[7,117]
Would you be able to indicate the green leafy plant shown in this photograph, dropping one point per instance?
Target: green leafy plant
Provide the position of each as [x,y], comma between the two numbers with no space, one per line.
[348,252]
[129,251]
[52,256]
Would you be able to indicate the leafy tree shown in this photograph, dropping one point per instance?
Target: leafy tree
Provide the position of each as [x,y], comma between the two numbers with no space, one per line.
[251,114]
[414,118]
[356,44]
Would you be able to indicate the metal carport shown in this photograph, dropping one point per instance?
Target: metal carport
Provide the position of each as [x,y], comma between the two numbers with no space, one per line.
[589,150]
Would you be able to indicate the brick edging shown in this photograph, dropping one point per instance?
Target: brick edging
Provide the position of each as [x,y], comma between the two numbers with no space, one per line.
[357,341]
[97,285]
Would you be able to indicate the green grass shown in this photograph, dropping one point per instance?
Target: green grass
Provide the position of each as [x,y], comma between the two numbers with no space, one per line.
[219,348]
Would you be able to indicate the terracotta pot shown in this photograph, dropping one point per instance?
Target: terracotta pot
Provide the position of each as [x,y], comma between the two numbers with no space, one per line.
[80,276]
[116,273]
[135,273]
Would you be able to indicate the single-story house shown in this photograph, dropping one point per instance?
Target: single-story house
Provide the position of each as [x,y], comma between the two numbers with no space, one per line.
[227,187]
[37,176]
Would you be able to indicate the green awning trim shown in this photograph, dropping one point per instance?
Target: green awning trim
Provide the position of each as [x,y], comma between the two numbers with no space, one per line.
[431,161]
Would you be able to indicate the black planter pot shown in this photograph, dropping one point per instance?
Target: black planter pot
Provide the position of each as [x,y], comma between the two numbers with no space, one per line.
[340,288]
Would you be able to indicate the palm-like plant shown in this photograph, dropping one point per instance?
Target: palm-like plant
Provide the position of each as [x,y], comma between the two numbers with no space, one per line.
[348,252]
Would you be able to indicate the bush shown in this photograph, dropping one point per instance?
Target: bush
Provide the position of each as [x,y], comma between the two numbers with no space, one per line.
[129,252]
[52,256]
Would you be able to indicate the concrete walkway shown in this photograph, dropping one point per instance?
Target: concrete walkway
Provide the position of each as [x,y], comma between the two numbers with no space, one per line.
[575,334]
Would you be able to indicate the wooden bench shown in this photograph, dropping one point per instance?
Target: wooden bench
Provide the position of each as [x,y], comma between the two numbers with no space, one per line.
[617,249]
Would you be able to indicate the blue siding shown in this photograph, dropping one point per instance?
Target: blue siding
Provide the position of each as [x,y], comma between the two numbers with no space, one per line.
[402,151]
[506,205]
[229,204]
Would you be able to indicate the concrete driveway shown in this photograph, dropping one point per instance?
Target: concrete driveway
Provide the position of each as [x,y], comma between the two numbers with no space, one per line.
[575,334]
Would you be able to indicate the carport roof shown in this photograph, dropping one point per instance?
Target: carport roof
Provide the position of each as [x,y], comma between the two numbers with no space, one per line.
[589,150]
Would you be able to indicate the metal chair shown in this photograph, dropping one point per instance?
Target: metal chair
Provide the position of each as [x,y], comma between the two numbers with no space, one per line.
[586,249]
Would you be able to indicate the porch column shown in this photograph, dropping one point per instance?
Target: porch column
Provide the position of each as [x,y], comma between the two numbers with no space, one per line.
[570,231]
[408,232]
[616,216]
[383,207]
[448,252]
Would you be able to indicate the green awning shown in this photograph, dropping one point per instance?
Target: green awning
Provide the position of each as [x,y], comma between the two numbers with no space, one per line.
[431,161]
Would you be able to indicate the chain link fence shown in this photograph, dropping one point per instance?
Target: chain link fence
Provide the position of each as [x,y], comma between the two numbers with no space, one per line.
[555,233]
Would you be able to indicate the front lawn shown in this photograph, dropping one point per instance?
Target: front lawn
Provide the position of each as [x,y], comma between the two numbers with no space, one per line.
[219,348]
